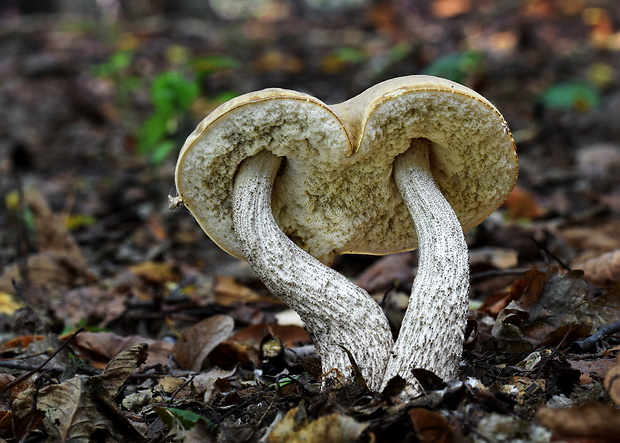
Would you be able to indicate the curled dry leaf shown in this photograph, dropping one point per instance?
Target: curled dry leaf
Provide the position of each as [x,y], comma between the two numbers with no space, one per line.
[612,382]
[195,344]
[122,366]
[590,420]
[602,269]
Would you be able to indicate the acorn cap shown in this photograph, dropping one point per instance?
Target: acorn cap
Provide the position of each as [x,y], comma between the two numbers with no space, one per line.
[335,193]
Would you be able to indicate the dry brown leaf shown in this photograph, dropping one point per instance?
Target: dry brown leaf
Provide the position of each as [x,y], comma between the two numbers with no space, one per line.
[596,368]
[612,382]
[602,269]
[498,258]
[244,345]
[228,292]
[52,270]
[385,272]
[552,308]
[195,344]
[100,347]
[122,366]
[432,427]
[59,263]
[93,304]
[522,204]
[25,417]
[295,427]
[154,272]
[602,238]
[590,420]
[70,412]
[607,306]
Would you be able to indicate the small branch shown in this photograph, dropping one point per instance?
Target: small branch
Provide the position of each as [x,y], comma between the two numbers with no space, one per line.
[591,343]
[42,365]
[551,254]
[497,273]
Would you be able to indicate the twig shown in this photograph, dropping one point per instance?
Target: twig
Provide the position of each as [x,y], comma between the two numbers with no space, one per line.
[551,254]
[250,400]
[590,343]
[42,365]
[553,352]
[497,273]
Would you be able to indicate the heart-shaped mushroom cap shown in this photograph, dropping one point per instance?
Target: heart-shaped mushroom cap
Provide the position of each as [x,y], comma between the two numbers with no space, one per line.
[335,193]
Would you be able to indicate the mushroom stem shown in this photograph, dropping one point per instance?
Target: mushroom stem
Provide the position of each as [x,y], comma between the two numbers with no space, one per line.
[344,321]
[432,332]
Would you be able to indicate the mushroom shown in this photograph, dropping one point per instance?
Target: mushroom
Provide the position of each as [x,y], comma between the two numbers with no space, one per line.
[288,182]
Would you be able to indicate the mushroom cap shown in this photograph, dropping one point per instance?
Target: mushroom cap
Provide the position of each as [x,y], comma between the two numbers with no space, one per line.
[335,193]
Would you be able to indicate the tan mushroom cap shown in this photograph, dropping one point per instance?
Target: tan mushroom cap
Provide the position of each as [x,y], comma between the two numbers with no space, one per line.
[335,193]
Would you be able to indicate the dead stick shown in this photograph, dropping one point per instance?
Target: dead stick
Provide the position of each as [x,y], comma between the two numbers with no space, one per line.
[42,365]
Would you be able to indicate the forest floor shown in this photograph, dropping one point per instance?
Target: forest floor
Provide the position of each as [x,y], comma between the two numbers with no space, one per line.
[122,321]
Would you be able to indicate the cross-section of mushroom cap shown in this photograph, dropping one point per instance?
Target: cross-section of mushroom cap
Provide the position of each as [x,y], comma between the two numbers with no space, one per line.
[335,192]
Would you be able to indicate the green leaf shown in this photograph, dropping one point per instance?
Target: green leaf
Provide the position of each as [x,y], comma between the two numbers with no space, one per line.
[152,131]
[455,67]
[160,151]
[114,65]
[351,55]
[187,419]
[572,95]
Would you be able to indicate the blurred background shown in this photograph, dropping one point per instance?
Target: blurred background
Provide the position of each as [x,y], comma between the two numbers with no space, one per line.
[97,97]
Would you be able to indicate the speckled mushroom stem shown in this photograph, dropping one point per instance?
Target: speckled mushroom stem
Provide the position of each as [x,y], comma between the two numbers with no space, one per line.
[432,332]
[338,314]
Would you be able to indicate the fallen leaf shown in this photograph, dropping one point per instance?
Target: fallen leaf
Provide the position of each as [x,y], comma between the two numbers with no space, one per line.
[607,306]
[497,258]
[205,382]
[8,304]
[612,382]
[122,366]
[51,270]
[197,342]
[551,309]
[296,427]
[522,204]
[228,292]
[91,304]
[385,272]
[100,347]
[590,420]
[153,272]
[432,427]
[70,412]
[603,237]
[244,345]
[602,269]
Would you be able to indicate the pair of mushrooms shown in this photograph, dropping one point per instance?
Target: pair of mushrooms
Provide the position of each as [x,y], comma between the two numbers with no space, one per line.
[287,182]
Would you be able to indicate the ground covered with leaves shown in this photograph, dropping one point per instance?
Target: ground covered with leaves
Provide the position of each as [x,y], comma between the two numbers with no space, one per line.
[122,321]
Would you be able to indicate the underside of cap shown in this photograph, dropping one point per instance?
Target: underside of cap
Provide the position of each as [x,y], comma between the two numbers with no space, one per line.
[335,192]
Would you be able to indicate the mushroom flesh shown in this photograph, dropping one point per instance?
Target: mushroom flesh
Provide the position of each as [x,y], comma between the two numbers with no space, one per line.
[288,182]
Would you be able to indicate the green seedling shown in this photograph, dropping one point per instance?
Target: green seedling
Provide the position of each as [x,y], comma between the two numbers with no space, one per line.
[171,94]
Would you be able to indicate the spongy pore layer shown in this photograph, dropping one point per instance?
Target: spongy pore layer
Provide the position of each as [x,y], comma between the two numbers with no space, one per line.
[335,192]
